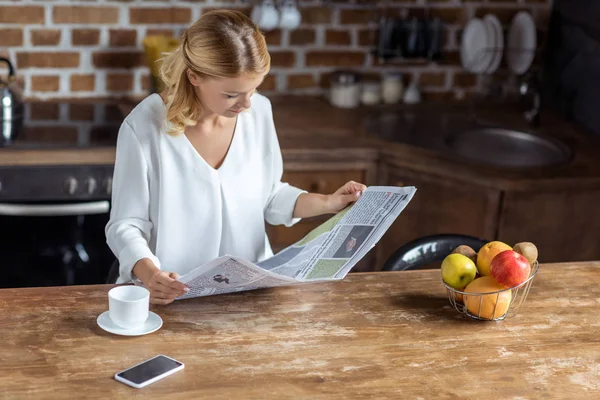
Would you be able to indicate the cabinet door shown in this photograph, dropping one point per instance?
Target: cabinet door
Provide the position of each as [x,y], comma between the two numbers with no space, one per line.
[439,206]
[565,226]
[324,182]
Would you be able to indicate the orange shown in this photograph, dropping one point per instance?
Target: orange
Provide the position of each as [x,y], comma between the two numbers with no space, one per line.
[483,306]
[487,253]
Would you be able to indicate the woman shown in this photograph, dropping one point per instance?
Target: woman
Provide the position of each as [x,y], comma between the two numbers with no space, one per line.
[198,171]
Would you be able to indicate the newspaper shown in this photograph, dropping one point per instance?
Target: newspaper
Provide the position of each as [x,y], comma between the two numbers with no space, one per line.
[327,253]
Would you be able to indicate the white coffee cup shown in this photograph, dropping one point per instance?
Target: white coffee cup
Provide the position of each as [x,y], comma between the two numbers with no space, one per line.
[128,305]
[290,17]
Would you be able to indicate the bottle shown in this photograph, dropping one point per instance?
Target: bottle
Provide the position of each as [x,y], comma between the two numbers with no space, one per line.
[371,93]
[392,88]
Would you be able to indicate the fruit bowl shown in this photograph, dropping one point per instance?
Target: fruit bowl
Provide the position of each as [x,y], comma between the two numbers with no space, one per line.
[492,306]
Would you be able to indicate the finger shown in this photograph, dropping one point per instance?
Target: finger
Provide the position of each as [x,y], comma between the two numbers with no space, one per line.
[167,290]
[167,280]
[164,296]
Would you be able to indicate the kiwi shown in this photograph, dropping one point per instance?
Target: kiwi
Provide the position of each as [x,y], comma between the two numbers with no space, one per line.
[527,250]
[466,251]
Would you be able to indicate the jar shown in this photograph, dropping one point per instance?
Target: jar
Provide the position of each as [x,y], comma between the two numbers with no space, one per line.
[345,89]
[371,93]
[392,88]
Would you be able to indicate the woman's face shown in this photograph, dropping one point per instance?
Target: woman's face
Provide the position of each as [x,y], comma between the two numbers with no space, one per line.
[226,96]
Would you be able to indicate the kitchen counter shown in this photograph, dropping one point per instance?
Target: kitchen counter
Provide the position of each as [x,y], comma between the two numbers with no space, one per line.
[371,335]
[309,128]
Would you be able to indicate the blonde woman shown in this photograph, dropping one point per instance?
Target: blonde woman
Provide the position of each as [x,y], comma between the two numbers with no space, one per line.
[198,167]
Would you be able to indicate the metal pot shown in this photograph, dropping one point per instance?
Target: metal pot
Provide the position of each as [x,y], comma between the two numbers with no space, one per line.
[11,107]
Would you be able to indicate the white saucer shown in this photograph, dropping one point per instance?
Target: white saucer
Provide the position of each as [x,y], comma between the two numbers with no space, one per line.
[152,324]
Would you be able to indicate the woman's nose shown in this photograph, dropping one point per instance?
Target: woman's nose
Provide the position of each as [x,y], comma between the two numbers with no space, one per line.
[245,103]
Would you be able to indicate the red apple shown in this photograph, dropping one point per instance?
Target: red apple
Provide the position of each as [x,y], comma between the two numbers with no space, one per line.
[510,268]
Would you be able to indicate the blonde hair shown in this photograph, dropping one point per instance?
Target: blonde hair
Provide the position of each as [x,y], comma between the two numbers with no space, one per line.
[220,44]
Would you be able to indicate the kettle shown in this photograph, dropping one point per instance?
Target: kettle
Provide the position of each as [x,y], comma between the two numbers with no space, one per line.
[11,107]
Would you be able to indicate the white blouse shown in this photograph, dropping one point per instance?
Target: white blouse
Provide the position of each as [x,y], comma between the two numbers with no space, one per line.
[169,205]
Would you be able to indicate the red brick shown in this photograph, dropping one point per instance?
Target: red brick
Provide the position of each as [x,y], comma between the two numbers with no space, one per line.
[283,58]
[367,37]
[146,82]
[39,111]
[47,60]
[337,37]
[432,79]
[51,134]
[82,83]
[301,81]
[269,84]
[316,15]
[302,36]
[172,15]
[85,15]
[122,37]
[45,83]
[360,16]
[273,37]
[85,37]
[11,37]
[122,82]
[465,80]
[335,58]
[22,15]
[45,37]
[108,59]
[81,112]
[160,32]
[504,14]
[245,10]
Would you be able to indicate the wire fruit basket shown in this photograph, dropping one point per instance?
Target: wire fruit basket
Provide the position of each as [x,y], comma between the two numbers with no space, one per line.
[492,306]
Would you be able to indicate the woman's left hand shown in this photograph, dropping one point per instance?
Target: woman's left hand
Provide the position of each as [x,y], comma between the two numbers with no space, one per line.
[345,195]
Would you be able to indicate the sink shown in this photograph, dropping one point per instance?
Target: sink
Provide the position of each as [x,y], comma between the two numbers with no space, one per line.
[456,134]
[504,147]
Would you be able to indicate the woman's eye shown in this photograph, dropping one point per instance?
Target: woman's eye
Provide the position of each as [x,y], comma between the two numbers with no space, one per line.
[230,97]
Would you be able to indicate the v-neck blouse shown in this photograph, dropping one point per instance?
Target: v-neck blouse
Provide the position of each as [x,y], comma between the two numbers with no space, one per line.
[169,205]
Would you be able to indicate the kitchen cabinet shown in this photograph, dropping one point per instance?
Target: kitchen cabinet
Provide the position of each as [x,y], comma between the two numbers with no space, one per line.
[440,205]
[560,224]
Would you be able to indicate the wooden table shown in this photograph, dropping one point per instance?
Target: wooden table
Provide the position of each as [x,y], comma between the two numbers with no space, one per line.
[372,335]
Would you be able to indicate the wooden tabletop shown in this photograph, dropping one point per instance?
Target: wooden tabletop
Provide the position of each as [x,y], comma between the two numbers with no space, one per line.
[372,335]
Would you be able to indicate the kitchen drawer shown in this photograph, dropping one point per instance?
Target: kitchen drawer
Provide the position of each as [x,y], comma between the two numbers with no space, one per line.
[324,182]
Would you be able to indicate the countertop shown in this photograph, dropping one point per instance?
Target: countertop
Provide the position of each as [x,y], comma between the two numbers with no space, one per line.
[310,126]
[371,335]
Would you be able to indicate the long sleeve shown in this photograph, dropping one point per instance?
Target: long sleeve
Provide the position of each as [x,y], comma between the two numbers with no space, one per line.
[279,209]
[129,228]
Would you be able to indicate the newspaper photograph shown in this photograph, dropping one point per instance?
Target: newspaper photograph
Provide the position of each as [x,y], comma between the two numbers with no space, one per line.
[328,252]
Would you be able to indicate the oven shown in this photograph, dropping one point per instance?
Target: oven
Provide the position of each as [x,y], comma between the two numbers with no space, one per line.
[52,222]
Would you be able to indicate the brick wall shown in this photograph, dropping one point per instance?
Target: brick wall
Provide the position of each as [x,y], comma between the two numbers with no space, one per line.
[65,48]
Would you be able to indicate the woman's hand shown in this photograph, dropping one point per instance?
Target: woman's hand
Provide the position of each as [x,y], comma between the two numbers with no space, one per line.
[345,195]
[313,204]
[163,286]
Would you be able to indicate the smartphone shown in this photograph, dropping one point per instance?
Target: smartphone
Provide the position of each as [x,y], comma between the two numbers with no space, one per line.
[149,371]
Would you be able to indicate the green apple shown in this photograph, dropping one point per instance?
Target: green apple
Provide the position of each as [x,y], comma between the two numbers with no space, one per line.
[458,270]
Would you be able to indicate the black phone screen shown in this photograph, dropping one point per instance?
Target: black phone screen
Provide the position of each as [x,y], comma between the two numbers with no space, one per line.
[149,369]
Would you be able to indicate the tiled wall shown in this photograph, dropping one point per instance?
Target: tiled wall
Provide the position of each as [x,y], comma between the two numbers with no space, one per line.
[65,48]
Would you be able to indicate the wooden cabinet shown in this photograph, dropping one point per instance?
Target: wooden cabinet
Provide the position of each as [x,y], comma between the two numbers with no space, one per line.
[563,225]
[440,205]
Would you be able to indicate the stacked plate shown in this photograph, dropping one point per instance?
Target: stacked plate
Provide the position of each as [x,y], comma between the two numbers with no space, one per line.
[482,44]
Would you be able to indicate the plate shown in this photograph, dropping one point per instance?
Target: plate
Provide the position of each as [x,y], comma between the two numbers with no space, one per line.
[521,43]
[152,324]
[496,27]
[475,47]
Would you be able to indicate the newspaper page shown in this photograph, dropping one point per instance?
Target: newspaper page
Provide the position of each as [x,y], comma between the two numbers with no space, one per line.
[328,252]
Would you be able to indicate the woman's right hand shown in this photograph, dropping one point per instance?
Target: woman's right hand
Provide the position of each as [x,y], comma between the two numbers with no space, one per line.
[163,286]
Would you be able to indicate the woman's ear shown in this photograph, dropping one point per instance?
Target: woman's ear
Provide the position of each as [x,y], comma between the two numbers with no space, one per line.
[192,77]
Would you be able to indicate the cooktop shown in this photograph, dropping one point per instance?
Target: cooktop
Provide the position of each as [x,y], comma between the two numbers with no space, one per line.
[68,124]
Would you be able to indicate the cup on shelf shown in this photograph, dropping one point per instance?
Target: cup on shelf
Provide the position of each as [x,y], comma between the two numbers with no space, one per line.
[289,15]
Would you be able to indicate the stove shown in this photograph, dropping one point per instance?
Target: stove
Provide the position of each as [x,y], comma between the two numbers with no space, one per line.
[52,217]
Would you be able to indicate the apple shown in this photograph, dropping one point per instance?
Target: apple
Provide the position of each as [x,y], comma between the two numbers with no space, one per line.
[458,270]
[510,268]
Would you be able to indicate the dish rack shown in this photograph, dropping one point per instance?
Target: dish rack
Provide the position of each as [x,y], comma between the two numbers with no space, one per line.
[519,294]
